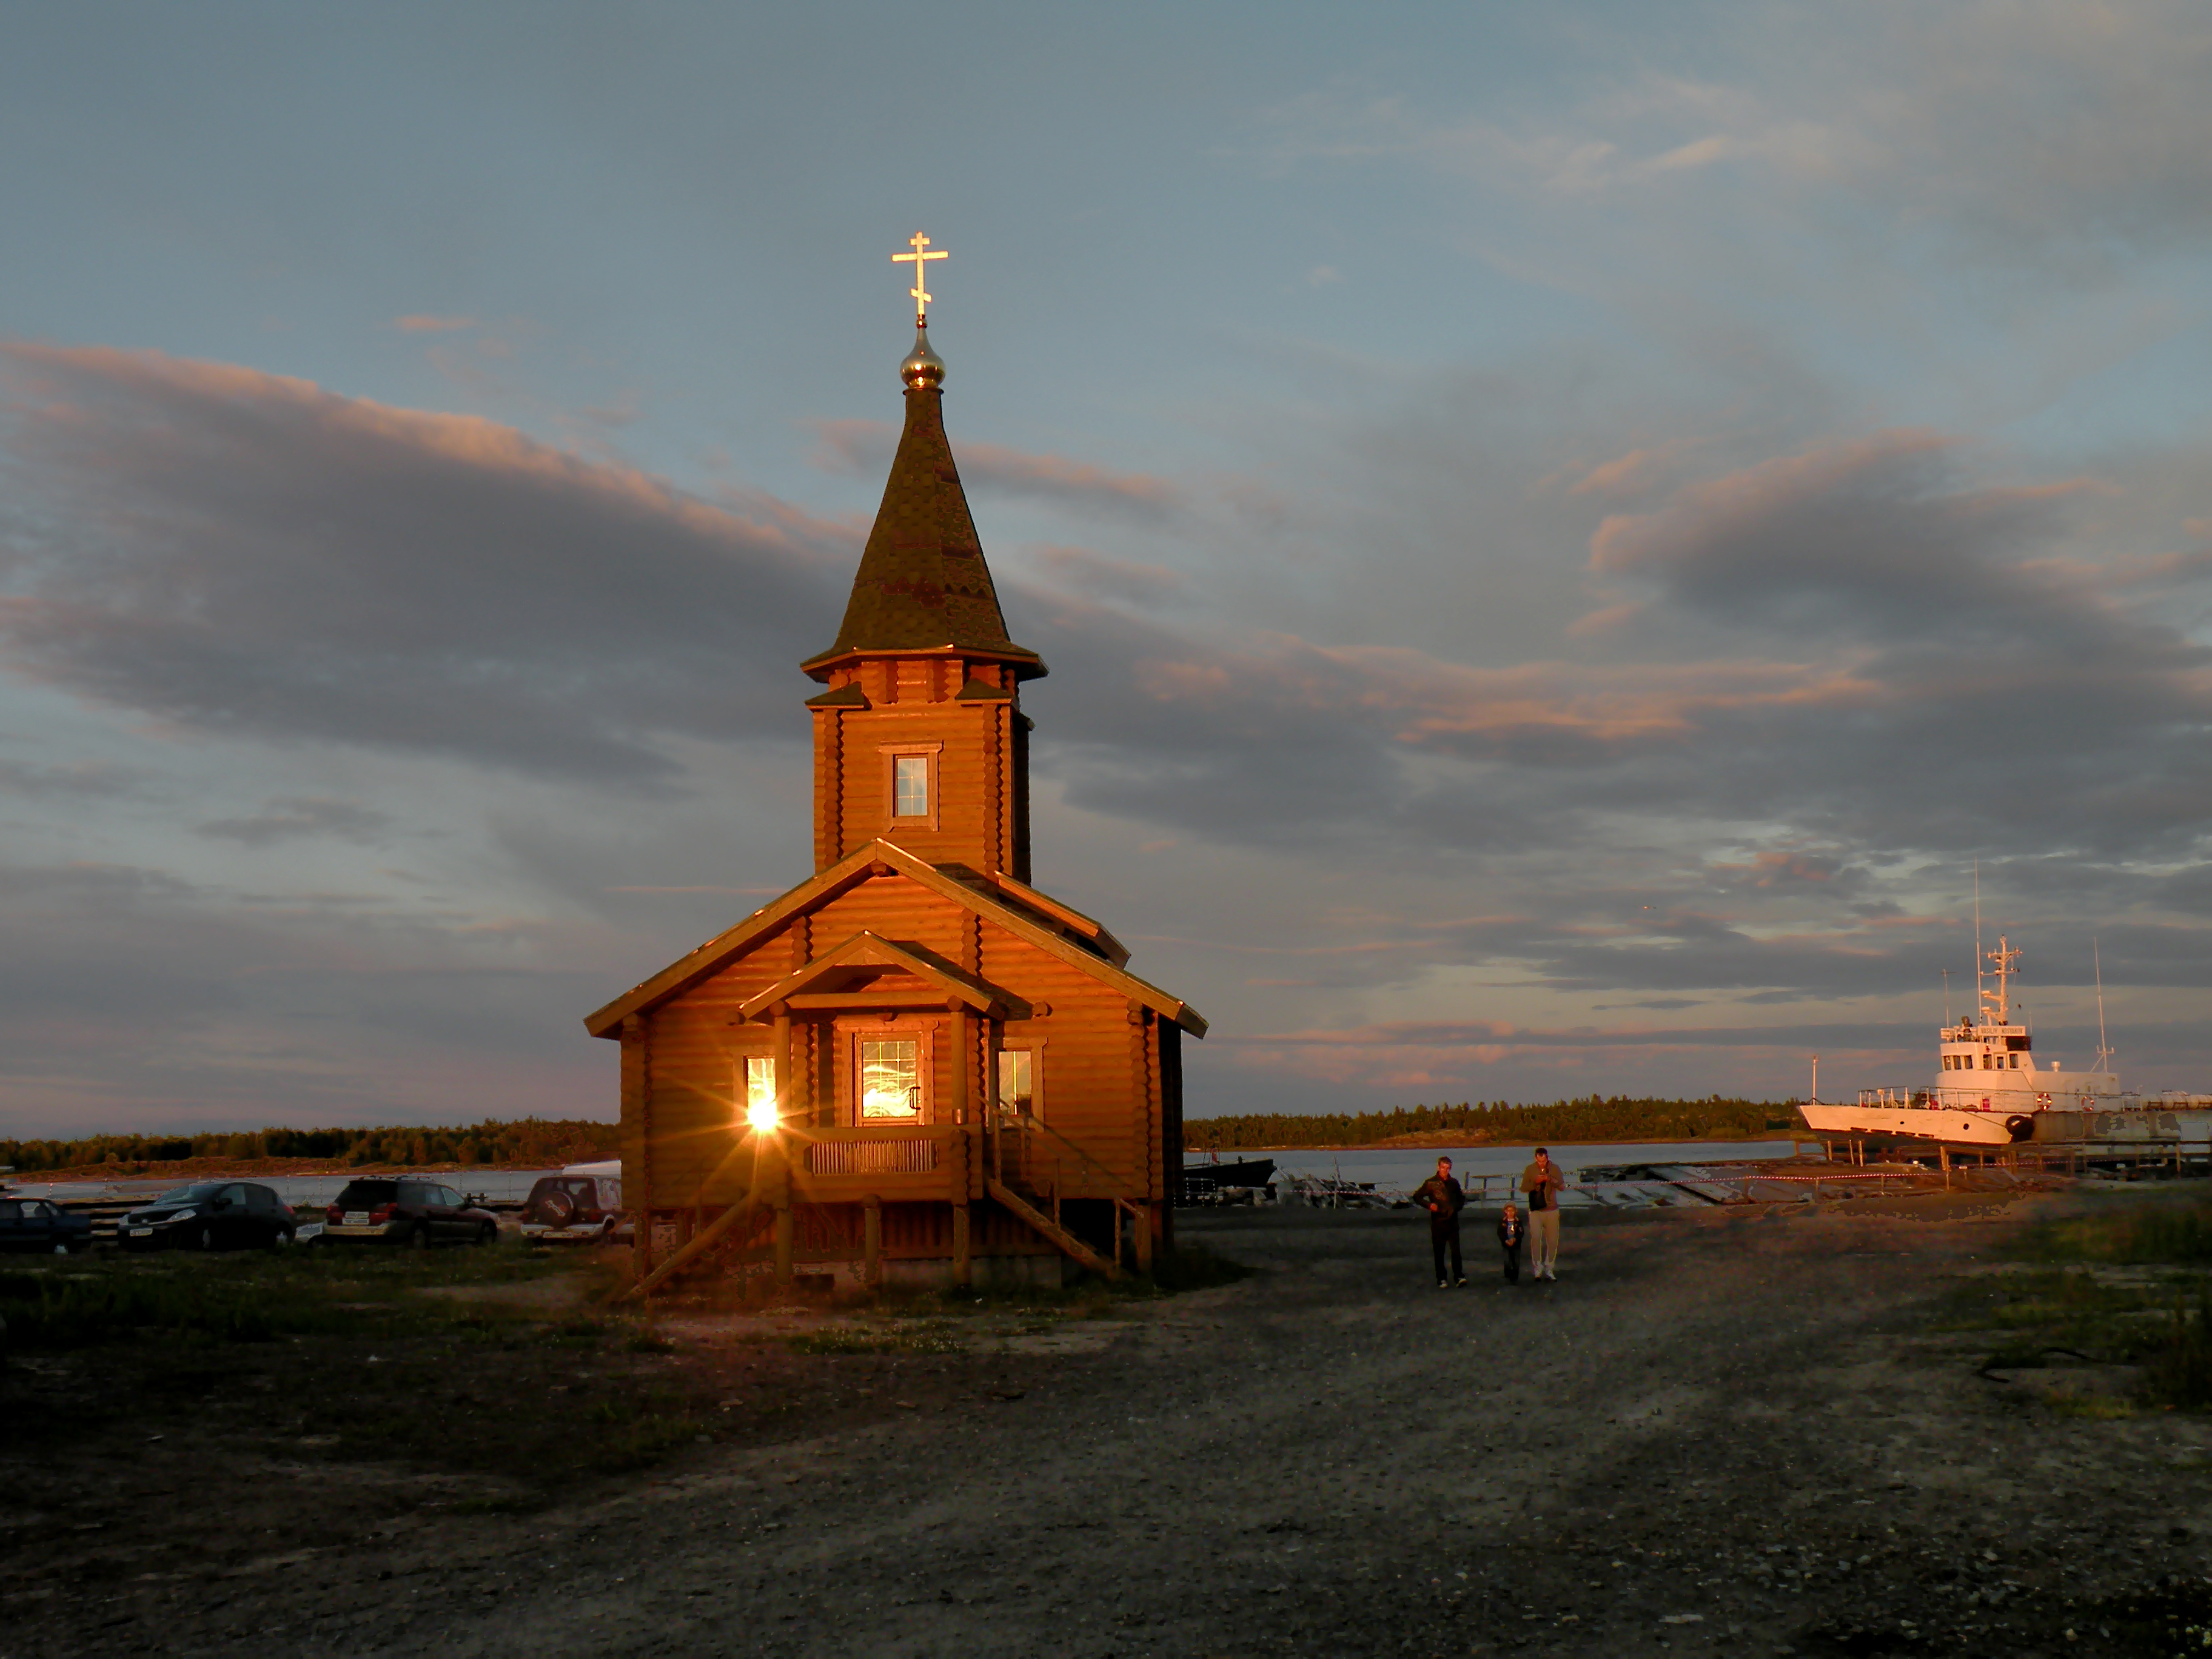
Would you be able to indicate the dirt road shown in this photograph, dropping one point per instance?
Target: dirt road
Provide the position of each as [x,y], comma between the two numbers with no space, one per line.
[1748,1431]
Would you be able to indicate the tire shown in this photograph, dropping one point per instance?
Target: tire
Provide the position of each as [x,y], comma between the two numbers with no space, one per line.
[203,1239]
[284,1240]
[419,1238]
[487,1234]
[61,1248]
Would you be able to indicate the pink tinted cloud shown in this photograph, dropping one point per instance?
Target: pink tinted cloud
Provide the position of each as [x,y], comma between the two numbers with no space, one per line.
[423,324]
[865,447]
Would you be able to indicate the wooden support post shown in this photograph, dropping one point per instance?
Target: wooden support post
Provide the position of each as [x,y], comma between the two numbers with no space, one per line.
[963,1269]
[872,1242]
[1148,1217]
[964,1061]
[637,1135]
[786,1075]
[785,1231]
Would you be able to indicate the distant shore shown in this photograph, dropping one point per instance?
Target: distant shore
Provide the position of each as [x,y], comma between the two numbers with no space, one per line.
[1450,1138]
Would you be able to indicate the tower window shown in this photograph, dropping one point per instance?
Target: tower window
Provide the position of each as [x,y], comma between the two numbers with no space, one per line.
[910,786]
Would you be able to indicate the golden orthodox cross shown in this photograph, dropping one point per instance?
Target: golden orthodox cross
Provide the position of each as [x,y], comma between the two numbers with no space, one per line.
[919,260]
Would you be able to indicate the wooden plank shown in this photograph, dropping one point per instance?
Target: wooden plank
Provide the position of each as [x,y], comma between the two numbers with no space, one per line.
[701,1241]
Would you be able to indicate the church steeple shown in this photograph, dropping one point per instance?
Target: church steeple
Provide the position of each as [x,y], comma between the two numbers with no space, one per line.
[922,584]
[921,739]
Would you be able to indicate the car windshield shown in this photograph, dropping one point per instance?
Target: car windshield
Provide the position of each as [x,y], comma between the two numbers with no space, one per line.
[360,1194]
[199,1194]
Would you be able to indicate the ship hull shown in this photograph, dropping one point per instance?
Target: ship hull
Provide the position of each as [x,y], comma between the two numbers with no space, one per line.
[1953,1127]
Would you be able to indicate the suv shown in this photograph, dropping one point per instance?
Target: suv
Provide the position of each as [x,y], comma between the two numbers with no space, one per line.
[575,1206]
[209,1215]
[408,1211]
[38,1223]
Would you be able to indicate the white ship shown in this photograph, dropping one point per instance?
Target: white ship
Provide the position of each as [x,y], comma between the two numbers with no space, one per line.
[1989,1090]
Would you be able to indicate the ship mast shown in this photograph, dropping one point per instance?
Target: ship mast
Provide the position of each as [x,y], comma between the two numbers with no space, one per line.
[1981,996]
[2104,1052]
[1996,1011]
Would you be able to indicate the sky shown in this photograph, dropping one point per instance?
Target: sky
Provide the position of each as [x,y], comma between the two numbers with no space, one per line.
[1568,538]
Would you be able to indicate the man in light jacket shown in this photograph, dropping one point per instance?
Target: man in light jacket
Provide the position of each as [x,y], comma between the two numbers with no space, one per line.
[1543,1182]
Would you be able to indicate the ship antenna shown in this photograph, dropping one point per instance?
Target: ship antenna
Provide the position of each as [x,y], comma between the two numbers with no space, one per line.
[2104,1054]
[1978,933]
[1947,996]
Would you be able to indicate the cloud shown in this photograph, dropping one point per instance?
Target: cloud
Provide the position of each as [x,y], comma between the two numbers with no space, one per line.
[1100,576]
[865,447]
[291,817]
[86,778]
[2031,129]
[236,552]
[420,325]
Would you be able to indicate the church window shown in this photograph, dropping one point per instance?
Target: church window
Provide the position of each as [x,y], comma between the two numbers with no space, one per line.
[1017,1082]
[910,786]
[890,1080]
[760,1089]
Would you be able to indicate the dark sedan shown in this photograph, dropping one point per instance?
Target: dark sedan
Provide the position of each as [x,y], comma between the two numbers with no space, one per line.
[37,1223]
[209,1215]
[402,1211]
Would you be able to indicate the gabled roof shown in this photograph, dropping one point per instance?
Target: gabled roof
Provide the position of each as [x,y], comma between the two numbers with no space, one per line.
[996,899]
[866,949]
[922,584]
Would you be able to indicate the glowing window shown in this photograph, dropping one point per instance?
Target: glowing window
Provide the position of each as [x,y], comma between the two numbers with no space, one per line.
[760,1086]
[890,1079]
[910,785]
[1017,1087]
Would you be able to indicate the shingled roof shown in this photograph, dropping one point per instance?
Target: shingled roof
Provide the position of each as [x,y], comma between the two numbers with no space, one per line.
[922,585]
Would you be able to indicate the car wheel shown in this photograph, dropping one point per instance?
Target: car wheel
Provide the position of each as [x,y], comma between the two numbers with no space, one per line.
[487,1234]
[205,1239]
[60,1248]
[419,1238]
[282,1239]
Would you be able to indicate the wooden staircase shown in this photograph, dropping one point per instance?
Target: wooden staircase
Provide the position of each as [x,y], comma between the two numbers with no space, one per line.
[1029,1211]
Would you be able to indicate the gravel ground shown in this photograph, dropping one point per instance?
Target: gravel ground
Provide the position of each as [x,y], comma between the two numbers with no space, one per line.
[1749,1430]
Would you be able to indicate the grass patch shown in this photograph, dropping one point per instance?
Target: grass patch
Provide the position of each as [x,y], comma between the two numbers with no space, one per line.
[1195,1267]
[2140,1234]
[934,1337]
[2162,1323]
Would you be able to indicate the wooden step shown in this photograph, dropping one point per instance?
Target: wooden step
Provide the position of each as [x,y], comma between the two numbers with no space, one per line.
[1052,1229]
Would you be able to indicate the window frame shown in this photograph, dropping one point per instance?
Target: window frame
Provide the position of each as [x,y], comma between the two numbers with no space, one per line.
[932,753]
[1034,1047]
[741,1087]
[904,1028]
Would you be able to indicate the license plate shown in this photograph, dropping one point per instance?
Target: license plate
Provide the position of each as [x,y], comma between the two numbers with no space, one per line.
[141,1232]
[357,1217]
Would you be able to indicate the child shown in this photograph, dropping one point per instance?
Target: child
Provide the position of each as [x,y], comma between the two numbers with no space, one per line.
[1512,1229]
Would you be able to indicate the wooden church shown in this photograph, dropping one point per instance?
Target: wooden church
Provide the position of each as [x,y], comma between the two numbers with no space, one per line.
[914,1066]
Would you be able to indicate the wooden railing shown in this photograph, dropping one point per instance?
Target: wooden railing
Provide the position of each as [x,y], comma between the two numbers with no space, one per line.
[1041,1161]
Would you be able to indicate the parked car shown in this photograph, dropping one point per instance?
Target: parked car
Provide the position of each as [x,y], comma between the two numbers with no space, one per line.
[406,1211]
[575,1206]
[211,1215]
[38,1223]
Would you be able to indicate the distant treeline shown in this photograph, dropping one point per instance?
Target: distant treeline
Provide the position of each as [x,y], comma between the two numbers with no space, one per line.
[530,1141]
[1597,1118]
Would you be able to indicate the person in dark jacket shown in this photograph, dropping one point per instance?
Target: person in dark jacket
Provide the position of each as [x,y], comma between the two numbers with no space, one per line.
[1512,1230]
[1441,1196]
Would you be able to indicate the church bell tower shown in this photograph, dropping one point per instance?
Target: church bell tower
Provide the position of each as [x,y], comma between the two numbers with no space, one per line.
[921,739]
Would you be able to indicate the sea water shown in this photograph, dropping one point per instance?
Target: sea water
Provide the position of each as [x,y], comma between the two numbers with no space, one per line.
[1401,1169]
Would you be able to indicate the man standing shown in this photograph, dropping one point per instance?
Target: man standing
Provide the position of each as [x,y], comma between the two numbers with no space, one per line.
[1441,1196]
[1543,1183]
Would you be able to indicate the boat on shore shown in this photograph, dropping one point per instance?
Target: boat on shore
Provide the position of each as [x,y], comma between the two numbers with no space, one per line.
[1991,1089]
